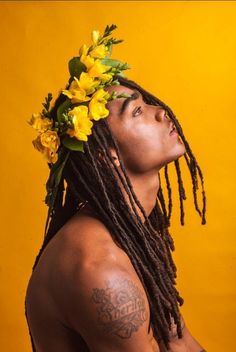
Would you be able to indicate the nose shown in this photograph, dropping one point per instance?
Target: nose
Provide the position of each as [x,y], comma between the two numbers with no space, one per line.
[161,114]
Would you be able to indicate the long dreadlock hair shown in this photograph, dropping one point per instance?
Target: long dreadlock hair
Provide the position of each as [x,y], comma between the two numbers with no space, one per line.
[148,244]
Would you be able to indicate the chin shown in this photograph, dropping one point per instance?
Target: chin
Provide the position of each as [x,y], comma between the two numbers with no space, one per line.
[178,153]
[180,150]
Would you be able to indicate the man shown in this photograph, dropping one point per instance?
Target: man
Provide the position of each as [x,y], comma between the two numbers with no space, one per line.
[104,279]
[88,291]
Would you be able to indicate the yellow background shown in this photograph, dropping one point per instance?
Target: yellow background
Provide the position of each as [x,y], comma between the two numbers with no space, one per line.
[183,52]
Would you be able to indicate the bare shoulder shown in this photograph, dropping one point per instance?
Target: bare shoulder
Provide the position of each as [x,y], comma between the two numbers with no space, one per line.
[106,302]
[95,289]
[90,241]
[109,307]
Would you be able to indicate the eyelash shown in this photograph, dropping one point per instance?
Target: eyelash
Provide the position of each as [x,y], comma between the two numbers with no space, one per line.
[138,109]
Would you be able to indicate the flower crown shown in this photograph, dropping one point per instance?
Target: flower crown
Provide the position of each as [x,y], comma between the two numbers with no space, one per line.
[90,73]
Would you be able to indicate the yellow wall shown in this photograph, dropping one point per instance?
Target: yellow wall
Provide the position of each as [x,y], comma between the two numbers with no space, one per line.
[185,53]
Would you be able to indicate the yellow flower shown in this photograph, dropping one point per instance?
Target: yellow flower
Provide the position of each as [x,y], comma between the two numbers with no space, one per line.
[40,123]
[83,50]
[99,51]
[87,60]
[75,93]
[105,77]
[48,143]
[87,83]
[50,155]
[50,139]
[98,69]
[95,36]
[81,122]
[97,109]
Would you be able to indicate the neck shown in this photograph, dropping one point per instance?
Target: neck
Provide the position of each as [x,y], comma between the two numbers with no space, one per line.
[145,187]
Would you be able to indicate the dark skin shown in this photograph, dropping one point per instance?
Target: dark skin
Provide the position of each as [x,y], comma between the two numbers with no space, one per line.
[143,135]
[84,294]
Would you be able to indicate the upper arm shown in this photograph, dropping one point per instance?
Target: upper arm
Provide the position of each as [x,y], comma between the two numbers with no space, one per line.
[109,308]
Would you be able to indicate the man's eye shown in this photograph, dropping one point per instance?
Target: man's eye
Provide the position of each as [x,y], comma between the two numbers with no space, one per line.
[137,111]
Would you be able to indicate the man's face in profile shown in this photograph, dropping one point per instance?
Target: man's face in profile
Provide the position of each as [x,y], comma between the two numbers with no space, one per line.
[144,133]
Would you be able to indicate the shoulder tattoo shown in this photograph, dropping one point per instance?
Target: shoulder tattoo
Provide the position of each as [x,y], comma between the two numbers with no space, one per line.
[120,307]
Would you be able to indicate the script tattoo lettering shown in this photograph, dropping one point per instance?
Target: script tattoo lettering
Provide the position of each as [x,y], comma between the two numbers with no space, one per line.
[121,308]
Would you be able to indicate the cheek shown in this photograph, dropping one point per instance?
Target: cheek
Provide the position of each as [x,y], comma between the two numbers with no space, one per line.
[150,151]
[143,151]
[151,141]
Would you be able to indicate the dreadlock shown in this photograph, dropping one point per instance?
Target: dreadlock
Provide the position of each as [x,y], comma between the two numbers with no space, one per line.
[93,179]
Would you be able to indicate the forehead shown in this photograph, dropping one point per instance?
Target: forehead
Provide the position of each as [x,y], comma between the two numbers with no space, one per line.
[115,104]
[120,89]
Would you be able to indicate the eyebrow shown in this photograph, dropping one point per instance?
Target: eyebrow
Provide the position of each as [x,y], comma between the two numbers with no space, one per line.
[127,101]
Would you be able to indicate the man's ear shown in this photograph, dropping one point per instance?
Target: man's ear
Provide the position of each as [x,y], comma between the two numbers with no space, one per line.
[114,156]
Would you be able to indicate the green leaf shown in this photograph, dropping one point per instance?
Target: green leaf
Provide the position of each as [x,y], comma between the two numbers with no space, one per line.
[117,41]
[76,67]
[46,105]
[109,29]
[73,143]
[109,50]
[48,99]
[62,109]
[121,74]
[53,183]
[113,63]
[113,41]
[55,177]
[59,170]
